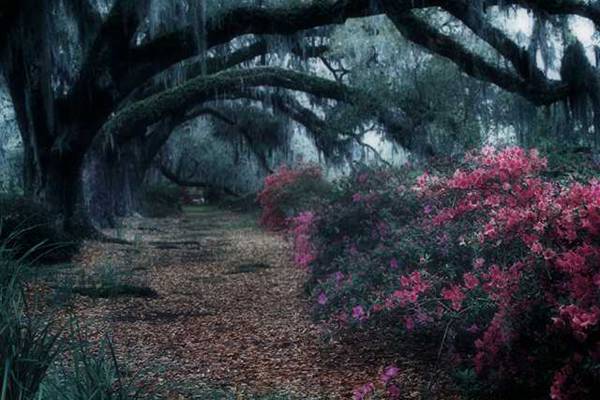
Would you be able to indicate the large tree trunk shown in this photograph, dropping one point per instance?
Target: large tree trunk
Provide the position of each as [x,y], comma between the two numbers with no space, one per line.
[55,182]
[113,178]
[52,177]
[112,182]
[55,137]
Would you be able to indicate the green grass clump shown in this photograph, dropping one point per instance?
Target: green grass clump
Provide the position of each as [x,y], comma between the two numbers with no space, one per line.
[27,229]
[28,346]
[90,372]
[37,360]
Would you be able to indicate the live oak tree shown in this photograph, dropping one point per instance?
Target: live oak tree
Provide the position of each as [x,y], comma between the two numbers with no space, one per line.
[89,75]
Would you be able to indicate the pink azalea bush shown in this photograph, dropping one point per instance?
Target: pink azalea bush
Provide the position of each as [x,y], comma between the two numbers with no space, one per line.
[503,258]
[289,191]
[302,230]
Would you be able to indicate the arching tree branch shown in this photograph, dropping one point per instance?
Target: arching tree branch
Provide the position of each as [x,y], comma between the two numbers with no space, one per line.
[137,116]
[174,177]
[128,67]
[219,63]
[419,32]
[519,57]
[163,130]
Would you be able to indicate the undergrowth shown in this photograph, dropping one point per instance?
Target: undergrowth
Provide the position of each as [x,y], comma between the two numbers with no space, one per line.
[39,358]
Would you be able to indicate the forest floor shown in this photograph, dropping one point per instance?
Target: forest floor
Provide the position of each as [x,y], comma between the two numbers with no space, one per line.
[226,314]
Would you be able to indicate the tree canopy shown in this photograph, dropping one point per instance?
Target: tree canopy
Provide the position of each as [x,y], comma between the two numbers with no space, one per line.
[91,77]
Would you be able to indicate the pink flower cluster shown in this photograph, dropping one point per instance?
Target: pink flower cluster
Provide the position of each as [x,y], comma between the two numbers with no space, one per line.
[304,251]
[411,286]
[579,320]
[545,231]
[455,295]
[387,386]
[363,392]
[278,193]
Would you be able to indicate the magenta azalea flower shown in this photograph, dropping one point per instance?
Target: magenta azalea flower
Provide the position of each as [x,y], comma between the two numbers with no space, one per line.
[322,300]
[389,373]
[409,323]
[393,392]
[358,313]
[363,392]
[478,263]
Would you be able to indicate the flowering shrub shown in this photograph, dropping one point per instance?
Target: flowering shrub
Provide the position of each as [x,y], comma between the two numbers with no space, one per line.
[503,259]
[386,387]
[289,191]
[302,230]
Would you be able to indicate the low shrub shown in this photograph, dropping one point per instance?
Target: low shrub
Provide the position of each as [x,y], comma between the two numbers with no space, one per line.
[26,228]
[289,191]
[160,201]
[498,260]
[36,362]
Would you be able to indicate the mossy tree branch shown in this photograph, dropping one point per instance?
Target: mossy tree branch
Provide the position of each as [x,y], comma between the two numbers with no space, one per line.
[135,117]
[129,67]
[518,56]
[216,64]
[176,179]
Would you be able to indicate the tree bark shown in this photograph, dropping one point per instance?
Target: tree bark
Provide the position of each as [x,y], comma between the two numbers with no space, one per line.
[112,183]
[55,183]
[52,168]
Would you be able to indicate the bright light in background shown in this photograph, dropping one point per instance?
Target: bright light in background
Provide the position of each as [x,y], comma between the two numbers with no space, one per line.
[584,30]
[519,24]
[521,21]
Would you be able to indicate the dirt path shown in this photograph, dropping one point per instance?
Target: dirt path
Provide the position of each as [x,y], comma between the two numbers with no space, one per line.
[229,312]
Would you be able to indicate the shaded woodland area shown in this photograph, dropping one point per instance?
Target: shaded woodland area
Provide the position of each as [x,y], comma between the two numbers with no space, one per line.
[87,75]
[379,198]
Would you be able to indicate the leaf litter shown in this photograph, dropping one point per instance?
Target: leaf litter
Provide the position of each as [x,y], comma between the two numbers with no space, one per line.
[229,312]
